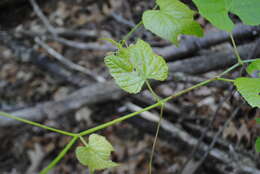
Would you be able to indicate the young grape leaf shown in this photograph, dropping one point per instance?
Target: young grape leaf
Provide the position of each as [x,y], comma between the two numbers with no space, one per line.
[216,11]
[254,69]
[257,144]
[132,66]
[249,88]
[173,19]
[96,154]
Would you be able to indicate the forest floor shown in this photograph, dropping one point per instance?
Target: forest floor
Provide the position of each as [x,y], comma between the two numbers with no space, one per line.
[23,84]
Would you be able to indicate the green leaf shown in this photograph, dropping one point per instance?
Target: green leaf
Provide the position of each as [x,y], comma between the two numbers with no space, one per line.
[216,11]
[257,144]
[254,68]
[249,88]
[173,19]
[96,154]
[132,66]
[257,120]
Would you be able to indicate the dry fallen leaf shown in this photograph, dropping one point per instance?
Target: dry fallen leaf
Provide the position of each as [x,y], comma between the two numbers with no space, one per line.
[230,131]
[243,132]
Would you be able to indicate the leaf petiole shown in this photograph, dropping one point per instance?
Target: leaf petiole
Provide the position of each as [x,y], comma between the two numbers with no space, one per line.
[240,61]
[83,141]
[155,96]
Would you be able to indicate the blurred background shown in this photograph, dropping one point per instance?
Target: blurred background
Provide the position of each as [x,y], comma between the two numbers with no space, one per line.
[52,71]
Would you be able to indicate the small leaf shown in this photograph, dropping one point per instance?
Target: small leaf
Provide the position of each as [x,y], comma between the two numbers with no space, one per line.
[132,66]
[173,19]
[249,88]
[254,69]
[96,154]
[216,11]
[257,144]
[257,120]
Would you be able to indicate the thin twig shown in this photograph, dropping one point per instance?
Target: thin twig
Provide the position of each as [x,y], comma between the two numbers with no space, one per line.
[84,46]
[120,19]
[43,18]
[67,62]
[54,33]
[217,135]
[221,103]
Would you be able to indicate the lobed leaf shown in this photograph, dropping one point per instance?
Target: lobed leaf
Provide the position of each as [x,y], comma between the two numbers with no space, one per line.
[257,144]
[96,154]
[216,11]
[254,69]
[132,66]
[173,19]
[257,120]
[249,88]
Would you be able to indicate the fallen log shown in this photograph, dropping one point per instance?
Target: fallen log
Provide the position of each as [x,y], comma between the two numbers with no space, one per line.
[191,45]
[212,61]
[89,95]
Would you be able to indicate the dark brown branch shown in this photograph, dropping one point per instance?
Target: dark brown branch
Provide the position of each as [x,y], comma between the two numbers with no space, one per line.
[191,45]
[212,61]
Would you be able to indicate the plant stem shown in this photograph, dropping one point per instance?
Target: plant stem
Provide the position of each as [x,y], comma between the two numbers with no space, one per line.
[155,139]
[136,27]
[131,32]
[235,49]
[37,124]
[235,66]
[83,141]
[155,96]
[229,69]
[118,120]
[249,60]
[60,156]
[226,80]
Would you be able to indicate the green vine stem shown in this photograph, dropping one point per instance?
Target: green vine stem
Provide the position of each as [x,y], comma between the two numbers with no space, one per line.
[37,124]
[118,120]
[136,27]
[60,156]
[235,49]
[131,32]
[157,99]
